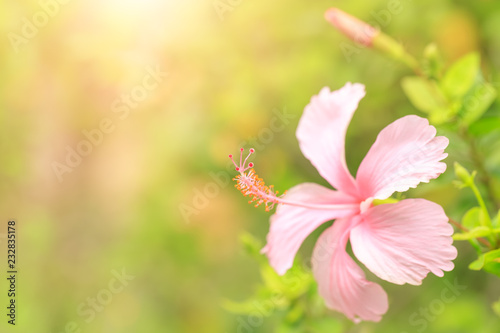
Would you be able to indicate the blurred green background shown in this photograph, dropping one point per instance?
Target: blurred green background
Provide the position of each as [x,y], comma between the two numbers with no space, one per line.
[152,195]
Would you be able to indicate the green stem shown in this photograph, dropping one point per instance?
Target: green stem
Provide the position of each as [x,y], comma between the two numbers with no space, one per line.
[484,176]
[480,200]
[391,47]
[471,241]
[485,179]
[487,221]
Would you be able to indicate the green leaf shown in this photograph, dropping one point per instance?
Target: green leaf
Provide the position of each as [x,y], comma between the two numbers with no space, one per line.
[424,94]
[473,218]
[493,267]
[489,262]
[265,302]
[326,325]
[277,291]
[477,264]
[286,327]
[460,76]
[251,245]
[271,279]
[485,126]
[443,115]
[432,64]
[378,202]
[496,220]
[480,231]
[294,283]
[477,101]
[295,314]
[496,307]
[297,281]
[464,175]
[245,307]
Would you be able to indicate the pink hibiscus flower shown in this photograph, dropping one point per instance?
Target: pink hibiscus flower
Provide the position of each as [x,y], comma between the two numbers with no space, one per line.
[400,242]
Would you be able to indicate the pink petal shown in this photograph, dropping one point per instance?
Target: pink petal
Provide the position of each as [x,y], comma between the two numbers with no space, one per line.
[321,133]
[291,225]
[341,282]
[403,242]
[405,153]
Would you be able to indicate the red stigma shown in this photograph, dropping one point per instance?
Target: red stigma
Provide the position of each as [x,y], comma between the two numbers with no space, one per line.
[242,166]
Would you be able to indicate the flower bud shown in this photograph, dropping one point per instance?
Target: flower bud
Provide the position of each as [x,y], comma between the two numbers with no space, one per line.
[366,35]
[462,173]
[355,29]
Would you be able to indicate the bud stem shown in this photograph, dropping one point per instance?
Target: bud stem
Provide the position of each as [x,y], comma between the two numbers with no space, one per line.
[394,49]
